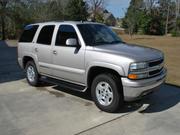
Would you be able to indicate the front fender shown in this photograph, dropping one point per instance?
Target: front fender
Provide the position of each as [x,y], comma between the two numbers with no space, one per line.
[111,66]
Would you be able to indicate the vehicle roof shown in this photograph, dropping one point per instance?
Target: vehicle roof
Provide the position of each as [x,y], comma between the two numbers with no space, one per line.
[65,22]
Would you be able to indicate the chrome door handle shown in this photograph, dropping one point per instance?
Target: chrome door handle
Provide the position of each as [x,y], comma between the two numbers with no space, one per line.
[54,52]
[36,50]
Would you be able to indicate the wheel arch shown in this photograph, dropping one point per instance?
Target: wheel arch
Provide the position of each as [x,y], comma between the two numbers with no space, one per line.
[94,70]
[29,58]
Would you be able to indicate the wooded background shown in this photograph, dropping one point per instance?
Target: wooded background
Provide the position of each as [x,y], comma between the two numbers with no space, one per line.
[153,17]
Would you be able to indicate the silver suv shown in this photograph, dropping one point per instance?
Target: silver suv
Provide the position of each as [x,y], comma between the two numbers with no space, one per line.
[87,56]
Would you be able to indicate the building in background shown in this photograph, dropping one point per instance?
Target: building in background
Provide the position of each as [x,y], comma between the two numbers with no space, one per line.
[102,16]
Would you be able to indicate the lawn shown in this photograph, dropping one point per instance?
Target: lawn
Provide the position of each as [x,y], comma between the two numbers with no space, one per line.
[171,48]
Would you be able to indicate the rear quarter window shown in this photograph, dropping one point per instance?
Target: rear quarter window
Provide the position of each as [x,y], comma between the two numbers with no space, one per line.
[28,33]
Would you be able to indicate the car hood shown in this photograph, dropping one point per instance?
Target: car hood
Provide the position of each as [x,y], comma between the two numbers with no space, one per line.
[135,52]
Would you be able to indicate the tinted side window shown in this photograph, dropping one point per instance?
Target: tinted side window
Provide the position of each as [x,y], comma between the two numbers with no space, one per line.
[28,34]
[45,35]
[87,34]
[65,32]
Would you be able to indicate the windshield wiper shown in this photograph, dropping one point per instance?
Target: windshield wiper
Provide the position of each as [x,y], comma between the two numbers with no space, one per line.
[105,42]
[102,43]
[116,42]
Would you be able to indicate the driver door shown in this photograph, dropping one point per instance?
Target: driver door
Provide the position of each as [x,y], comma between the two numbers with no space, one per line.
[68,61]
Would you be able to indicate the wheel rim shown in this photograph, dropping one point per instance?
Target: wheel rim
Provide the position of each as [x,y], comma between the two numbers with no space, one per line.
[104,93]
[31,73]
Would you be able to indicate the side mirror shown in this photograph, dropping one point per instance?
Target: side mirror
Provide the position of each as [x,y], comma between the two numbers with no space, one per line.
[71,42]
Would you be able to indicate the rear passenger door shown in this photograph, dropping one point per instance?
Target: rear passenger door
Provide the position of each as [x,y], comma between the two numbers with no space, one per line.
[68,61]
[43,49]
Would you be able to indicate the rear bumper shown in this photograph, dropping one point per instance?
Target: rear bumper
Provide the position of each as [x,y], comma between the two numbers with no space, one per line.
[20,62]
[135,89]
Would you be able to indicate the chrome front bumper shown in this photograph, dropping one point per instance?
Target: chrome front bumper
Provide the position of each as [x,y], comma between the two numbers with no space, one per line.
[134,89]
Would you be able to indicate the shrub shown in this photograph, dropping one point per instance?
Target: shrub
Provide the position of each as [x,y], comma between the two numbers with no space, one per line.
[175,33]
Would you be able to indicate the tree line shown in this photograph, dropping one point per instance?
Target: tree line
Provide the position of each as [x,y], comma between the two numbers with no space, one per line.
[153,17]
[15,14]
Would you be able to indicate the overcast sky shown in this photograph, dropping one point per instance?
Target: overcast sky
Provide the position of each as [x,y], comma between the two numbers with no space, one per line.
[117,7]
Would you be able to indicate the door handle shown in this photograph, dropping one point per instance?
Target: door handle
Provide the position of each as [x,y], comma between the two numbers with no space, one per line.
[54,52]
[36,50]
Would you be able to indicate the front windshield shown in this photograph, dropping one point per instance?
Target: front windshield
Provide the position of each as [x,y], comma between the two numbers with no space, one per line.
[97,34]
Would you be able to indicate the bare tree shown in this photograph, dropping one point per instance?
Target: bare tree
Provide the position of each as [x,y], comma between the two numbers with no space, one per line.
[167,19]
[177,12]
[177,8]
[150,4]
[3,4]
[95,5]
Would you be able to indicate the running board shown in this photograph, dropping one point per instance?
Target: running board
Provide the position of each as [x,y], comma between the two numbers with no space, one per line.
[64,84]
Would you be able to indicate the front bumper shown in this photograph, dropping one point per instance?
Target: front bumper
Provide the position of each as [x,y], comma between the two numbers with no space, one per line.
[135,89]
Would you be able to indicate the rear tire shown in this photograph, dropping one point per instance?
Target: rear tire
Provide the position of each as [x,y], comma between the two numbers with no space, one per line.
[32,75]
[107,92]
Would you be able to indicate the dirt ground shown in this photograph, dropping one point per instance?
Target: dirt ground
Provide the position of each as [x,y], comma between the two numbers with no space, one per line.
[171,48]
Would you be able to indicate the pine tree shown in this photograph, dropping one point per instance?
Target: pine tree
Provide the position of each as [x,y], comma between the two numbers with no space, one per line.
[76,10]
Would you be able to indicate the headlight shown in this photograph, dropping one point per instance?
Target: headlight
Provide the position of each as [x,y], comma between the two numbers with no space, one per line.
[135,70]
[137,66]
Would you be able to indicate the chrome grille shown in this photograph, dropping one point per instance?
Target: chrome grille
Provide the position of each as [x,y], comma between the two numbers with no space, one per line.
[156,67]
[156,62]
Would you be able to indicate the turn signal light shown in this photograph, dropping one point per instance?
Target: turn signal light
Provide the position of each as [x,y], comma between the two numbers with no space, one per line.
[132,76]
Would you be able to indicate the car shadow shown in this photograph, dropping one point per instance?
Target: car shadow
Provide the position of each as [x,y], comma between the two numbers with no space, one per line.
[167,97]
[84,95]
[9,71]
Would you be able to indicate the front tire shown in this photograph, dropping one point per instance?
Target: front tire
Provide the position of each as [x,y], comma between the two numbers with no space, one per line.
[32,75]
[107,92]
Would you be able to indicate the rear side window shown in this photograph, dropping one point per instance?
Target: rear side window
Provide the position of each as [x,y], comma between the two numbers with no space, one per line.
[45,35]
[28,34]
